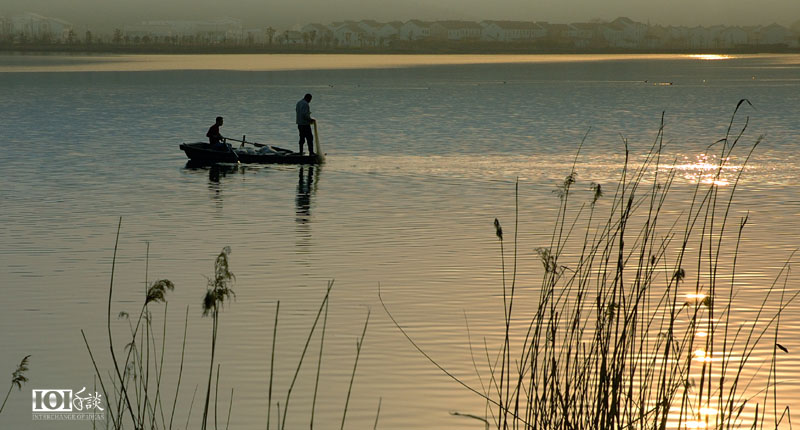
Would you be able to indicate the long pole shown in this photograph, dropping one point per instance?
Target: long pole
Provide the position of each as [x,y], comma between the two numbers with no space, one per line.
[318,145]
[247,142]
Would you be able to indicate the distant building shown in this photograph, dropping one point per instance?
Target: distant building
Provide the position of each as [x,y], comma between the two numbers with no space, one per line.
[415,30]
[507,31]
[456,30]
[655,38]
[556,35]
[255,36]
[582,30]
[155,29]
[583,34]
[676,37]
[351,35]
[652,41]
[221,30]
[35,27]
[225,29]
[370,27]
[774,34]
[5,27]
[699,38]
[336,24]
[732,37]
[614,36]
[389,31]
[714,36]
[633,33]
[292,37]
[318,34]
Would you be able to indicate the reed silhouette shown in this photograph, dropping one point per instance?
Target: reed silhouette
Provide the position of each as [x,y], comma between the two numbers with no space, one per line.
[134,388]
[634,323]
[18,378]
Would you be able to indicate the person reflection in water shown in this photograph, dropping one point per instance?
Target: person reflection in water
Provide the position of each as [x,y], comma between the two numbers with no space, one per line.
[215,139]
[303,199]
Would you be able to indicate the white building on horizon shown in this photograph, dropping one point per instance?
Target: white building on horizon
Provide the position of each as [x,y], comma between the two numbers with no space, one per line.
[223,29]
[508,31]
[37,27]
[415,30]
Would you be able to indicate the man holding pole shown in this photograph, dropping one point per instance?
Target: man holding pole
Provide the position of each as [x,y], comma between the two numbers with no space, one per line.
[215,139]
[304,122]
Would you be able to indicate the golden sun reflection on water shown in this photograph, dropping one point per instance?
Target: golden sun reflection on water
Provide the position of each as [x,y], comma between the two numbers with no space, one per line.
[282,62]
[704,418]
[711,57]
[707,169]
[708,411]
[702,356]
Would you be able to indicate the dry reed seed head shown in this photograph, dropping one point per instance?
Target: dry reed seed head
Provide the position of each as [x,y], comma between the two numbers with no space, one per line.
[548,260]
[209,301]
[17,377]
[157,291]
[218,289]
[570,179]
[222,272]
[498,230]
[611,310]
[123,315]
[597,192]
[679,275]
[215,298]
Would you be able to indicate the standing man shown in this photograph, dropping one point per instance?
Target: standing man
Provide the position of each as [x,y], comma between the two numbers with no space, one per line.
[304,122]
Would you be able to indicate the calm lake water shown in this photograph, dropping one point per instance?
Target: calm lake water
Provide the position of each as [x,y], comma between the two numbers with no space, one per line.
[423,154]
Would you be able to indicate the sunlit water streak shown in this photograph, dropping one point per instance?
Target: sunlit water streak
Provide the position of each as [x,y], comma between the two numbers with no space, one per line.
[277,62]
[421,160]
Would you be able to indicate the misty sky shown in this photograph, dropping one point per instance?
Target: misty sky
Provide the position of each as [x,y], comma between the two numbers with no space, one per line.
[103,14]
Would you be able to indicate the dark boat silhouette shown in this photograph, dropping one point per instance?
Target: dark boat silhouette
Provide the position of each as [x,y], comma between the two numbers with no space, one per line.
[258,153]
[203,152]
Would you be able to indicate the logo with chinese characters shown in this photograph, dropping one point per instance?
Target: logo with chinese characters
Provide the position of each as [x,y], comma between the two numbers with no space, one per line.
[58,404]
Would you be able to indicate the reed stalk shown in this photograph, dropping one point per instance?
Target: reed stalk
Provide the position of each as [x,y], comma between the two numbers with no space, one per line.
[18,378]
[136,390]
[272,363]
[633,324]
[319,365]
[359,344]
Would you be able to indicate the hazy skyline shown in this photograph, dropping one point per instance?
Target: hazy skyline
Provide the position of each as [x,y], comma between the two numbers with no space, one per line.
[102,14]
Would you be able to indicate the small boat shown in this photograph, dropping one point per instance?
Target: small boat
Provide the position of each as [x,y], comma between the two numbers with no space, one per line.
[203,152]
[258,153]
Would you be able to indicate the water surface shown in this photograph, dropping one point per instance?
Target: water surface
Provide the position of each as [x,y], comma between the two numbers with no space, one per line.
[423,154]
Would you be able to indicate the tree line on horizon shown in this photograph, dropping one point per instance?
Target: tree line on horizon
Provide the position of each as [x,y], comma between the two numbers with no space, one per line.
[35,32]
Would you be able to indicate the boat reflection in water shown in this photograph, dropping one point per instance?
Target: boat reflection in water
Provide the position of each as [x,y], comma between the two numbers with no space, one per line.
[307,179]
[215,173]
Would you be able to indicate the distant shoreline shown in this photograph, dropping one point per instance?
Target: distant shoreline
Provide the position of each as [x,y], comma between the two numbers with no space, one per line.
[442,49]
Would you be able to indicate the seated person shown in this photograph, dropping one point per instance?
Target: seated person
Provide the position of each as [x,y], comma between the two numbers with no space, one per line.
[215,139]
